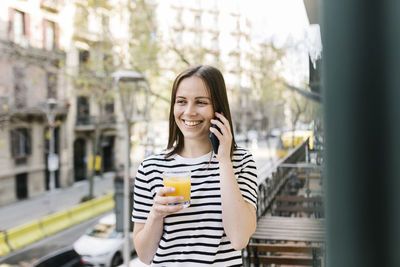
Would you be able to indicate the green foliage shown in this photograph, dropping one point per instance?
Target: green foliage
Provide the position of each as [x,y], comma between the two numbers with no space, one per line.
[266,74]
[143,43]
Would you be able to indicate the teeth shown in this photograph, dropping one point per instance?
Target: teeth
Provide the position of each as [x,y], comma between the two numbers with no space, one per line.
[192,123]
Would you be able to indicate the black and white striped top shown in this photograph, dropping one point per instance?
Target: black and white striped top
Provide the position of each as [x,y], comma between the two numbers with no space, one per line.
[195,235]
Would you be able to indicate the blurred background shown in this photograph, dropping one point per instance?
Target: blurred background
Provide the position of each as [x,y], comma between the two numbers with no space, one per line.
[75,73]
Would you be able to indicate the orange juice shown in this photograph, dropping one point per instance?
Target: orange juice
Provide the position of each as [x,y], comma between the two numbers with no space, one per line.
[181,183]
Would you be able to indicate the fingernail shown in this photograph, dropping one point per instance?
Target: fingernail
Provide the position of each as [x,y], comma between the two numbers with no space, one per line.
[172,189]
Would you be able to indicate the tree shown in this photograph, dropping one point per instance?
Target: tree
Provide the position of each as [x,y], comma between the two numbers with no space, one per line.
[144,47]
[93,79]
[137,48]
[267,82]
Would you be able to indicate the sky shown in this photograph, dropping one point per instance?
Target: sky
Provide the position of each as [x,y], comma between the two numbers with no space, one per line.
[285,24]
[276,20]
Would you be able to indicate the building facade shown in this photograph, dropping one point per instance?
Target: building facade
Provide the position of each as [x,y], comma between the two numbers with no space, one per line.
[30,58]
[217,33]
[44,48]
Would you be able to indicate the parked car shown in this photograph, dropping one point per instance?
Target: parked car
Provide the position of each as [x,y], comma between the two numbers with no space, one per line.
[102,245]
[65,257]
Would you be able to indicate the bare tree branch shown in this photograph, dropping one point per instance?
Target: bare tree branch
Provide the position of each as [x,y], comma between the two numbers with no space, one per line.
[180,54]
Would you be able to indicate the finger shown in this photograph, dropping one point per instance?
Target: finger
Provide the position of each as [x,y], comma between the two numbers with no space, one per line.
[224,121]
[162,200]
[224,130]
[168,209]
[217,133]
[165,190]
[222,118]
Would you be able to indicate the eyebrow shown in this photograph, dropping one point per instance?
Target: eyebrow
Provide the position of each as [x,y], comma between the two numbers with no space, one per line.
[198,97]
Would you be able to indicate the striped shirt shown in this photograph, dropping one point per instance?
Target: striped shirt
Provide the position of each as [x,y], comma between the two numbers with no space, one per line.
[195,235]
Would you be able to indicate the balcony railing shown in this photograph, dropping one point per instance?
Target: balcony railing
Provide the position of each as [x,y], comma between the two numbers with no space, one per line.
[274,179]
[90,122]
[52,6]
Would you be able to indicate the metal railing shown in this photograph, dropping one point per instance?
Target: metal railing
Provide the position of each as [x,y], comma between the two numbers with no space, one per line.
[109,119]
[273,179]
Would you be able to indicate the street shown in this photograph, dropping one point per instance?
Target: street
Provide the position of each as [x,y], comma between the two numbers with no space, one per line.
[263,153]
[27,255]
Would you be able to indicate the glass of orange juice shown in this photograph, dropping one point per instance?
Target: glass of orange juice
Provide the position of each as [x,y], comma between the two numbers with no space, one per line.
[181,182]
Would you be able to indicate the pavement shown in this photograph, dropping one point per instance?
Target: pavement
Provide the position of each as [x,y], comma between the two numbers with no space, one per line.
[35,208]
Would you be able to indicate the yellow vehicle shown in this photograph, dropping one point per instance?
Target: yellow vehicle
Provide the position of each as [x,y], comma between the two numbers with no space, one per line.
[294,138]
[291,139]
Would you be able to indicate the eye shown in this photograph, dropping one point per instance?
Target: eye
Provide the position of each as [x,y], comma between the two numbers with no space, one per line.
[201,102]
[180,101]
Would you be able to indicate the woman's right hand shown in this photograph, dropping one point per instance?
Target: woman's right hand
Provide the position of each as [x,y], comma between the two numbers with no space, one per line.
[161,208]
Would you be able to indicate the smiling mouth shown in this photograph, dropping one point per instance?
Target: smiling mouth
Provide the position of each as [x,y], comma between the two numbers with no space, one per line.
[191,123]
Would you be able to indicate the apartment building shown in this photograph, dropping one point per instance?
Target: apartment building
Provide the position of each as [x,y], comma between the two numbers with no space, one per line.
[214,32]
[44,48]
[30,58]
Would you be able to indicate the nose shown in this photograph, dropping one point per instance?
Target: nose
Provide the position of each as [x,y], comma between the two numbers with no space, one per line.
[190,109]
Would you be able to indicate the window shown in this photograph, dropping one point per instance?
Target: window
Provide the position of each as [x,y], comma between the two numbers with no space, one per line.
[108,63]
[109,107]
[83,58]
[49,35]
[197,21]
[83,112]
[179,39]
[51,85]
[197,25]
[21,145]
[19,88]
[109,116]
[20,28]
[18,22]
[214,42]
[81,18]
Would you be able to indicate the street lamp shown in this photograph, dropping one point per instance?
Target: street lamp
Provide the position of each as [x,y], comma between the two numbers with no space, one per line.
[52,160]
[129,84]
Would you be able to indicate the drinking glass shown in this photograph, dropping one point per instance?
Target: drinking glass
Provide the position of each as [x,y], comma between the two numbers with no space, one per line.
[180,180]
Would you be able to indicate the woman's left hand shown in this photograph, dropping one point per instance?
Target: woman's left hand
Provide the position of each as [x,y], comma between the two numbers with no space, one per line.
[225,137]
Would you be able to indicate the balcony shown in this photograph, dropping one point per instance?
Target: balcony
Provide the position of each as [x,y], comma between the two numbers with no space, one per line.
[26,112]
[88,123]
[290,222]
[4,105]
[31,54]
[86,36]
[52,6]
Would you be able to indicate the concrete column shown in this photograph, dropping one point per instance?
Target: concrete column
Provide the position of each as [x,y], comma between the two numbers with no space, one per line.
[361,94]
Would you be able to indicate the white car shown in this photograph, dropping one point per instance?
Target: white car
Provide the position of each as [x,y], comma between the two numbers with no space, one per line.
[102,245]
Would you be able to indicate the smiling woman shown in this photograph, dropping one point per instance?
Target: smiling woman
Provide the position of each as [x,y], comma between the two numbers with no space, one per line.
[223,184]
[193,109]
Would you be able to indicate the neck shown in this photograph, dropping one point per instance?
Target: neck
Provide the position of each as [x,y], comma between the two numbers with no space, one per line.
[195,148]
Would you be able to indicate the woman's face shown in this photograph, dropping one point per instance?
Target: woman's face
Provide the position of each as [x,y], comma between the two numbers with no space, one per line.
[193,109]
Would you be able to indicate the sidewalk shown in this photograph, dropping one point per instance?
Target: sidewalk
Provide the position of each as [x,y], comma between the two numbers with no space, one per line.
[27,210]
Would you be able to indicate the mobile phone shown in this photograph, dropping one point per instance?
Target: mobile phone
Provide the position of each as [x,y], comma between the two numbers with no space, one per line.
[214,139]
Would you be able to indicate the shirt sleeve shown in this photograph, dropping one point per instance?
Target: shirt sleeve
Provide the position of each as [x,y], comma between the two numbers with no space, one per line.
[142,196]
[247,179]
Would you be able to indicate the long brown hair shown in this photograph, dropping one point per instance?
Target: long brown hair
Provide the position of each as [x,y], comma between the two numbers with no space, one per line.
[215,84]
